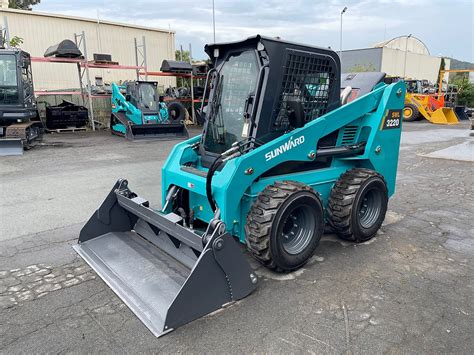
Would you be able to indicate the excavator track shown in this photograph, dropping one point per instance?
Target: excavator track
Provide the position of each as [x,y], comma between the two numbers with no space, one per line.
[29,132]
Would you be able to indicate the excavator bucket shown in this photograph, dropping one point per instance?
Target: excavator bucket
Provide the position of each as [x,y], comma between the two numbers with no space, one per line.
[443,115]
[11,146]
[165,272]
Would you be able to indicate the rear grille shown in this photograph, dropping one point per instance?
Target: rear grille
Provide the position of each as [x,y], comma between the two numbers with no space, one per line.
[349,135]
[309,77]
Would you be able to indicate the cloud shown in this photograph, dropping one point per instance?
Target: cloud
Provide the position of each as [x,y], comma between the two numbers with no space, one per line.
[438,23]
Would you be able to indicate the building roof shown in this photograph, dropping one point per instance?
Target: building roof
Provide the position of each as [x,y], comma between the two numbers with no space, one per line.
[45,14]
[409,43]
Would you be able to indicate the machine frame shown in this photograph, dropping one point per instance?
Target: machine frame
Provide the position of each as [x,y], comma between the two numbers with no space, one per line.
[236,186]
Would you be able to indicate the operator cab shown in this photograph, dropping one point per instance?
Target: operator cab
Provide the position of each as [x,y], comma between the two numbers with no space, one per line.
[262,88]
[17,101]
[144,96]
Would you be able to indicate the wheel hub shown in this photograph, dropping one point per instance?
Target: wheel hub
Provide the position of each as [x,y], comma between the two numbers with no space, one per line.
[370,208]
[407,112]
[298,229]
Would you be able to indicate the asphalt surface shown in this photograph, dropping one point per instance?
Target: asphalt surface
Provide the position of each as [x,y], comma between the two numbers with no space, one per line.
[408,290]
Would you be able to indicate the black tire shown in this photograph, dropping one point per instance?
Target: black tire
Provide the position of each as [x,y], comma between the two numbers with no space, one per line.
[177,112]
[410,113]
[357,204]
[273,231]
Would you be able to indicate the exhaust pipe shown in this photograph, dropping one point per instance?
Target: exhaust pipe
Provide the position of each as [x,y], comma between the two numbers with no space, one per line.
[167,274]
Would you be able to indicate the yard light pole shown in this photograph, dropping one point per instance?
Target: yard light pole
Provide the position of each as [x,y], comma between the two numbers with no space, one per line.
[405,63]
[213,21]
[340,38]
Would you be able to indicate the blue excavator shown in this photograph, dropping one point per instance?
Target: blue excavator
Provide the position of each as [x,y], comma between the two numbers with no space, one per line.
[139,112]
[283,154]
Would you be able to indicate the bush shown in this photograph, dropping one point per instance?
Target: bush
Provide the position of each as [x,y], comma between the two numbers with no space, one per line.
[465,91]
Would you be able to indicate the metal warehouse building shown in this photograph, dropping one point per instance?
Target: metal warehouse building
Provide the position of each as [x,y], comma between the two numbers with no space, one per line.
[404,56]
[41,30]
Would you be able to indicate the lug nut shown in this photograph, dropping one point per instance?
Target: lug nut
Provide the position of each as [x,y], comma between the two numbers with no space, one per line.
[253,279]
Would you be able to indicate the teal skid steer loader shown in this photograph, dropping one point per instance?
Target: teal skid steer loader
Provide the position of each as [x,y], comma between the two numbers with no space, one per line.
[138,112]
[280,156]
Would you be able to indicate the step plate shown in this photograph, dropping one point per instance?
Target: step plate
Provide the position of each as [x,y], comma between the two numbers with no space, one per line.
[144,277]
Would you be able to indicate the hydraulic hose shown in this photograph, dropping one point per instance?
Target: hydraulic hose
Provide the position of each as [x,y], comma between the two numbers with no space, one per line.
[212,169]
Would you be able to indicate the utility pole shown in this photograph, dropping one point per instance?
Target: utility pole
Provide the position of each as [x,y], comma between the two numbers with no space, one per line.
[340,38]
[406,51]
[213,21]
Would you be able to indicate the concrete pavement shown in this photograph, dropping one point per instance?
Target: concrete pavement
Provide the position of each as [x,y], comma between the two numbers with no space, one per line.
[410,289]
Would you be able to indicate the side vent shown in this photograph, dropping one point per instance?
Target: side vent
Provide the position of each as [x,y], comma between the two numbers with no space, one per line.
[349,135]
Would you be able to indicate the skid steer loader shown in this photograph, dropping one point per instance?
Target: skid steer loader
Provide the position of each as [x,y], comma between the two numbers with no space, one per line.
[138,112]
[279,157]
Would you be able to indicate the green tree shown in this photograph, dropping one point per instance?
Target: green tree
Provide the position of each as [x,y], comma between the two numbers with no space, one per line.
[442,66]
[16,41]
[182,57]
[23,4]
[465,90]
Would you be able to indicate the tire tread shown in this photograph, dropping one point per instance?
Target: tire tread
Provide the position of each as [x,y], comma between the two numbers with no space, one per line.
[341,200]
[261,216]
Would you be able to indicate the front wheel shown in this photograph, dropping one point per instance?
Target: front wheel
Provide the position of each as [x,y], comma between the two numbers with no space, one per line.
[357,204]
[410,113]
[284,225]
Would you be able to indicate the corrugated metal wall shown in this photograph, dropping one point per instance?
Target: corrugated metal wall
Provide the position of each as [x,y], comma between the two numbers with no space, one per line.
[392,62]
[418,66]
[39,31]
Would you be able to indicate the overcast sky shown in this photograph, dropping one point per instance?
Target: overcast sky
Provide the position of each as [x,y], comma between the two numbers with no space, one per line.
[446,27]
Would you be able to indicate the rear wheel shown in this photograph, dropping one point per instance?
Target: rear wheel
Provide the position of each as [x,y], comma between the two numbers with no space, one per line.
[284,225]
[357,204]
[410,113]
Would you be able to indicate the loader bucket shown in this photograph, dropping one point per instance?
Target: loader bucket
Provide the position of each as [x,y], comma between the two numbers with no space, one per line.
[167,274]
[11,146]
[157,131]
[443,115]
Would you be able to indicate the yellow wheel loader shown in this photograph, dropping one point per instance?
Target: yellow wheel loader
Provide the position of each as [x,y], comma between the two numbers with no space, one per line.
[428,106]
